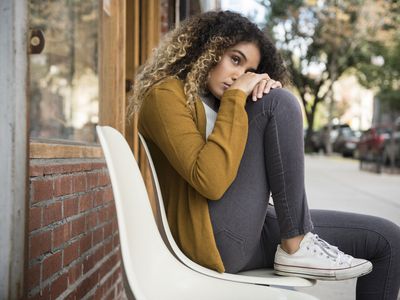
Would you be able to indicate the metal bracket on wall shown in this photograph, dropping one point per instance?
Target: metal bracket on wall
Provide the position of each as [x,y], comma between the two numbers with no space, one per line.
[36,41]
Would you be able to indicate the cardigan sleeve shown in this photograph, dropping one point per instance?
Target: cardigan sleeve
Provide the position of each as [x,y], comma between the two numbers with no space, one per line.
[211,165]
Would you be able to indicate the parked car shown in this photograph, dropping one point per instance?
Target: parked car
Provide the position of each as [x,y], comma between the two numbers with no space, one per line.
[320,138]
[371,144]
[346,141]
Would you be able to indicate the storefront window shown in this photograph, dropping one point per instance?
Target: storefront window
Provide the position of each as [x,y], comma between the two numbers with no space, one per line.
[64,79]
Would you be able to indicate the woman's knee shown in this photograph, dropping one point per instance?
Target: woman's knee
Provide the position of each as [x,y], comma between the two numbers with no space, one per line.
[390,232]
[384,240]
[276,100]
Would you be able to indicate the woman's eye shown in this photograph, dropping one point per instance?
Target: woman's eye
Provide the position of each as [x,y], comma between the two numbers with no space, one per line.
[236,60]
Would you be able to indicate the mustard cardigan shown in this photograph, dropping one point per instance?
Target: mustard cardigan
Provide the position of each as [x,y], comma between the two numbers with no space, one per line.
[192,170]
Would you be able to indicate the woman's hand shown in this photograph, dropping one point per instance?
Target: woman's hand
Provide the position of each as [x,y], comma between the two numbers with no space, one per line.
[263,87]
[255,84]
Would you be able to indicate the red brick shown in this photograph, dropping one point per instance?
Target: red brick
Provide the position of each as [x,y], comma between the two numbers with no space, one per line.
[120,288]
[52,213]
[40,243]
[51,265]
[116,241]
[70,206]
[59,285]
[98,165]
[91,260]
[107,230]
[98,294]
[98,198]
[108,194]
[71,253]
[115,225]
[67,168]
[35,218]
[88,263]
[43,294]
[102,215]
[42,190]
[36,170]
[92,179]
[110,295]
[99,253]
[86,166]
[33,276]
[78,183]
[85,243]
[86,285]
[113,259]
[91,220]
[61,235]
[108,246]
[85,202]
[62,185]
[77,226]
[98,236]
[107,266]
[116,275]
[111,213]
[108,283]
[103,179]
[72,296]
[61,168]
[74,273]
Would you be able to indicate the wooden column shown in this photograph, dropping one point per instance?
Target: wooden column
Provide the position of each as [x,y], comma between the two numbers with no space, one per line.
[112,37]
[143,26]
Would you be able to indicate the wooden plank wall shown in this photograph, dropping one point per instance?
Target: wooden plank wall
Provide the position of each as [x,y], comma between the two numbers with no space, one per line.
[143,27]
[112,64]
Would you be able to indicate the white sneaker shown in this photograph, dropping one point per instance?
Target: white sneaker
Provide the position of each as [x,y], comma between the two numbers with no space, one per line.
[316,259]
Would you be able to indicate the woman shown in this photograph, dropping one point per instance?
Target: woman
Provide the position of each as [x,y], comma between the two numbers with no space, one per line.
[219,155]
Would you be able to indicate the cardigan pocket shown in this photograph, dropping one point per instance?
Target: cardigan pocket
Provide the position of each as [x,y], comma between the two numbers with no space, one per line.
[231,248]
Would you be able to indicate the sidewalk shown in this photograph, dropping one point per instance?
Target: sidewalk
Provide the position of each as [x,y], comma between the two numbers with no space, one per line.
[336,183]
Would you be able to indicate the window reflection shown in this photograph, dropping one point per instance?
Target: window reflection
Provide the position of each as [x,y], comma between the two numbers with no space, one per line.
[64,77]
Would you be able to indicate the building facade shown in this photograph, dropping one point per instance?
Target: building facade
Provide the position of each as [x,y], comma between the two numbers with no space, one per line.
[71,65]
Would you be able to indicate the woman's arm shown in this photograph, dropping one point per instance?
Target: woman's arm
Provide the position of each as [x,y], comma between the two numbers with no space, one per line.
[209,165]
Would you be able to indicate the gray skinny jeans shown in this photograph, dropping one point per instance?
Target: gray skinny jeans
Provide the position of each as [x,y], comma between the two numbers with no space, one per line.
[247,229]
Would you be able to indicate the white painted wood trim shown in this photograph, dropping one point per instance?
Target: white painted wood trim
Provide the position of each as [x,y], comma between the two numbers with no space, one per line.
[13,146]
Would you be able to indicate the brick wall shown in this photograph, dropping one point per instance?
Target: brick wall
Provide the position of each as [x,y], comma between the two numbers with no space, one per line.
[74,250]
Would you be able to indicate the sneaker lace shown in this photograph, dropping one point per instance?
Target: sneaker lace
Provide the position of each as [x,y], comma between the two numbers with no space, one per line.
[330,251]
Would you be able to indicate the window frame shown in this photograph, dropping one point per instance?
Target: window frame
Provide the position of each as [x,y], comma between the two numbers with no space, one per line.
[112,98]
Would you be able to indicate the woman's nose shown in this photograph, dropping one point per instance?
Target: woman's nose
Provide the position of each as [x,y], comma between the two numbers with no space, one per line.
[237,73]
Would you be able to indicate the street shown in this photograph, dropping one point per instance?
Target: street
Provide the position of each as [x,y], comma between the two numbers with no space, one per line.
[336,183]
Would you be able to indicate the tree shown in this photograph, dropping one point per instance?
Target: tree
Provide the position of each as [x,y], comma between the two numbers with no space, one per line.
[380,69]
[320,40]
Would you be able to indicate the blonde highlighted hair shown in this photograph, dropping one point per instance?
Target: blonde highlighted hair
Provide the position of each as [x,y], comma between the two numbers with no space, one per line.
[191,50]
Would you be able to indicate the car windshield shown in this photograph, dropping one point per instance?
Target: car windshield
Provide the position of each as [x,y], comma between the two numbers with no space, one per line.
[383,130]
[347,132]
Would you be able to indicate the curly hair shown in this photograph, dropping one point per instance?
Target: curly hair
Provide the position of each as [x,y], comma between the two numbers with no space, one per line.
[196,46]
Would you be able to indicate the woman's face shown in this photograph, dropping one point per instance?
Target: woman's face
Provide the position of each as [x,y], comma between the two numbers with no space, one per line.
[237,60]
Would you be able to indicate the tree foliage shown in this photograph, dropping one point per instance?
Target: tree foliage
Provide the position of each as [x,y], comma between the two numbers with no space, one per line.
[321,40]
[381,69]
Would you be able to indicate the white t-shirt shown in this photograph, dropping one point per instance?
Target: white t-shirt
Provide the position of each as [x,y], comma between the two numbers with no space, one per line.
[211,117]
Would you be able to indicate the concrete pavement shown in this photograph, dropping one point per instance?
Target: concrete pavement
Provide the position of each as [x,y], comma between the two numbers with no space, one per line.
[336,183]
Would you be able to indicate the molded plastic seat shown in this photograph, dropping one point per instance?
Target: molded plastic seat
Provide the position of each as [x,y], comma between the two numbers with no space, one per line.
[258,276]
[152,271]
